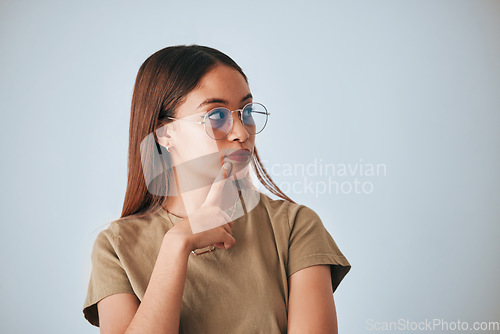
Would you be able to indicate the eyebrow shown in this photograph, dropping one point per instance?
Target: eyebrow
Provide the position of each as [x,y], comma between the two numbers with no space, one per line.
[218,100]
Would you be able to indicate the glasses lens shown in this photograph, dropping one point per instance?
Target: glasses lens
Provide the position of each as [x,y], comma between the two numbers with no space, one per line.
[254,117]
[218,123]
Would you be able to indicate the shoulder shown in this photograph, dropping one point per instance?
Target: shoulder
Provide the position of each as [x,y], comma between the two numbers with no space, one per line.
[132,229]
[284,209]
[276,208]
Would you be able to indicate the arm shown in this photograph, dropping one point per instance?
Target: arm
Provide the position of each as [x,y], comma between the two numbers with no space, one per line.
[311,308]
[159,311]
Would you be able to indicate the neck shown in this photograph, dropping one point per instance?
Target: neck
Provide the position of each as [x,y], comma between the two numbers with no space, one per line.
[190,197]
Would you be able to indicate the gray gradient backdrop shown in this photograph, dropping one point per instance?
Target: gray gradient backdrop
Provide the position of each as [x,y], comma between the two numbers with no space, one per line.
[413,85]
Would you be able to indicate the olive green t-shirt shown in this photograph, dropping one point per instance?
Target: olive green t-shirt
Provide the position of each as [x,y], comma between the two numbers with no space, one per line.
[243,289]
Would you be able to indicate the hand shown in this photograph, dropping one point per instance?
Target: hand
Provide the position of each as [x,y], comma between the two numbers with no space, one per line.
[211,224]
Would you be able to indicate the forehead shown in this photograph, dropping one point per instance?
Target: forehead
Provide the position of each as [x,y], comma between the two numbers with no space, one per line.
[221,82]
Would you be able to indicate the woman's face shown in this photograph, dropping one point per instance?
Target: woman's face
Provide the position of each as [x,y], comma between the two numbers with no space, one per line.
[190,146]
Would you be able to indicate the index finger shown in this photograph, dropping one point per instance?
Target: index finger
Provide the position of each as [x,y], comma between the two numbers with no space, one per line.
[214,195]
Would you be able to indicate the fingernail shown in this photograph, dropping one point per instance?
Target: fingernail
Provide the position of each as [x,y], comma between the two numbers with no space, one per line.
[227,165]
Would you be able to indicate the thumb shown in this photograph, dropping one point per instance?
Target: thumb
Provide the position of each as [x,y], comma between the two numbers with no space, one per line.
[214,195]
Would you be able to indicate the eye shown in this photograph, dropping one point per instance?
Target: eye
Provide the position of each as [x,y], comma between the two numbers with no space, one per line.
[217,115]
[218,118]
[247,112]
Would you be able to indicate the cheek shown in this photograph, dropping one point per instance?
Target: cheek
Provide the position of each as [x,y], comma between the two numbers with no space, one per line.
[251,140]
[198,152]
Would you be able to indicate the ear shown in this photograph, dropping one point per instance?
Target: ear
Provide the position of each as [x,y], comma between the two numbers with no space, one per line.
[164,138]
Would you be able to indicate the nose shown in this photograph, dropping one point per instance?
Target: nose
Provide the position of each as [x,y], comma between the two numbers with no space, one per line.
[238,131]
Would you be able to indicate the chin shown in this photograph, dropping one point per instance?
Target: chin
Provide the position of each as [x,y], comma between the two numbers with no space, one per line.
[240,171]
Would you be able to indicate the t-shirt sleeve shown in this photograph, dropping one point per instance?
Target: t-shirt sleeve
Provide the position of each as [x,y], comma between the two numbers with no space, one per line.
[107,275]
[311,244]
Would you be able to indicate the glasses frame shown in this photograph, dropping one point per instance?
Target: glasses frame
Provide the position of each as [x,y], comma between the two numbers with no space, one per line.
[240,116]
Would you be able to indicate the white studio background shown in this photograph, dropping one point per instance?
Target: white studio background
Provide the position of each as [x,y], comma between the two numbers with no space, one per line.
[413,86]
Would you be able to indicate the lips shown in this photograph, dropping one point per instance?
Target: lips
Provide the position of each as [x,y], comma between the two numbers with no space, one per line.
[239,155]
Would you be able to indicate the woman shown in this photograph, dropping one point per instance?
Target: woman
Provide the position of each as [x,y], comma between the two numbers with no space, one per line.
[198,248]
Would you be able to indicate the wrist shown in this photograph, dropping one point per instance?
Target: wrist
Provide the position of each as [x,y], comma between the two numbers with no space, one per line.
[176,245]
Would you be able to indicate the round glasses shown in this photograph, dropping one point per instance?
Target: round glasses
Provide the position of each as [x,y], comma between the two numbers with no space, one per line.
[218,122]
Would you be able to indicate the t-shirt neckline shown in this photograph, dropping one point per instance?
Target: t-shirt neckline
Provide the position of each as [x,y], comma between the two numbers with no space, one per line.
[165,214]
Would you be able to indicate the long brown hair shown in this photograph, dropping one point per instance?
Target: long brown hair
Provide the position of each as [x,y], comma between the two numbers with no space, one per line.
[162,83]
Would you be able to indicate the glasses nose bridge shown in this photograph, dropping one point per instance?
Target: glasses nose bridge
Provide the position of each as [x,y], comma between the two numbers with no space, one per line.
[240,118]
[235,110]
